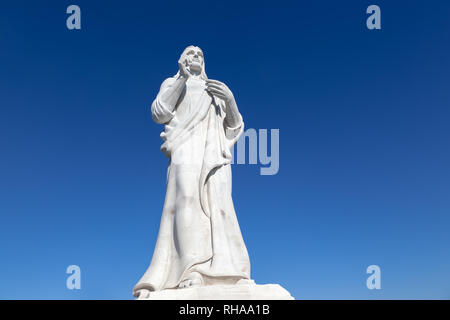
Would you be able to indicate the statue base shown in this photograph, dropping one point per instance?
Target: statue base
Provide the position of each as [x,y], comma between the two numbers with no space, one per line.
[243,290]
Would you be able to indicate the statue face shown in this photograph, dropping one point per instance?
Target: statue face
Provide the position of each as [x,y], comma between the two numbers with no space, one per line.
[194,59]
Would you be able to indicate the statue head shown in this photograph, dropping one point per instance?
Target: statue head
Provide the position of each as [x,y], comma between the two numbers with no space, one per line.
[193,57]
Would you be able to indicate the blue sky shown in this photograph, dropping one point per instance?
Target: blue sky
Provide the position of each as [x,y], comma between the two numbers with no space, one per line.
[364,142]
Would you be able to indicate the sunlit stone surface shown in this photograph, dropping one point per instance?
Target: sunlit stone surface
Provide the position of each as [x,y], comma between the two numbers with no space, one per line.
[223,292]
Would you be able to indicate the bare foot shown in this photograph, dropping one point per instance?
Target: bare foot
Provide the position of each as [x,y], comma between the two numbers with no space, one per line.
[194,280]
[143,294]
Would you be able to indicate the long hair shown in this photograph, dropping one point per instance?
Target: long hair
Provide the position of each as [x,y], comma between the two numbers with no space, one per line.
[184,54]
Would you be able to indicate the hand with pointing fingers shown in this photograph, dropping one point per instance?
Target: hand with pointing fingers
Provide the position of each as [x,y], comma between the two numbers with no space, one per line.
[220,90]
[183,68]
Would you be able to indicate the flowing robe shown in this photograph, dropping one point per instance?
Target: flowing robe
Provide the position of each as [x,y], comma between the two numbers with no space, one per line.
[199,231]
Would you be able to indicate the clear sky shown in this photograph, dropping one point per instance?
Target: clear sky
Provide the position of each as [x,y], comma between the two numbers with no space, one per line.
[363,116]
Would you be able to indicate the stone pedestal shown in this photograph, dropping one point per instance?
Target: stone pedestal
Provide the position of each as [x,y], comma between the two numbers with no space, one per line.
[241,291]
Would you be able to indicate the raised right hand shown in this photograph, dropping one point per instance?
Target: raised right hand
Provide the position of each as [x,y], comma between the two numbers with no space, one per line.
[183,68]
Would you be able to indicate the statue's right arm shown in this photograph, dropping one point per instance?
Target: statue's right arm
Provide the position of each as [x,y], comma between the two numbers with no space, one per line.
[164,105]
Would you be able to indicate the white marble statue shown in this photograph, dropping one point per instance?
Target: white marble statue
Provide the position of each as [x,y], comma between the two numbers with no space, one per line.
[199,242]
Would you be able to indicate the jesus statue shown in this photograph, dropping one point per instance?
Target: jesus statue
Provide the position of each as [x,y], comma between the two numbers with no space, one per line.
[199,241]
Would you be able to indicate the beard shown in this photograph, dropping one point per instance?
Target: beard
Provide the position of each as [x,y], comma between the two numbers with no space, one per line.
[195,67]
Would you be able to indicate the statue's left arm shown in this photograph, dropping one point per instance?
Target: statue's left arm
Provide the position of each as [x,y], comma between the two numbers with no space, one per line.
[233,118]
